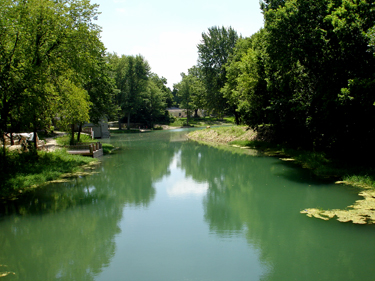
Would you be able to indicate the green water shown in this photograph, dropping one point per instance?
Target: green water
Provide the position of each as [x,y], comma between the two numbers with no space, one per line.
[164,208]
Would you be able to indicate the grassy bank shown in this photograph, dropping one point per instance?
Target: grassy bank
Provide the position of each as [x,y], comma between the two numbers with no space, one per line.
[201,122]
[319,163]
[25,171]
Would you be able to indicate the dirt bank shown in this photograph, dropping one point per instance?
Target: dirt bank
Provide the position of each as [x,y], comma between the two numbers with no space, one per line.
[223,135]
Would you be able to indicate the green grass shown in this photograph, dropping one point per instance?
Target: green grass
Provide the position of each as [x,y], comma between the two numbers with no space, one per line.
[236,131]
[201,122]
[361,179]
[65,141]
[107,148]
[24,170]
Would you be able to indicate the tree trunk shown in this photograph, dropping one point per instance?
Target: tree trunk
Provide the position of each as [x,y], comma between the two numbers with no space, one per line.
[128,125]
[237,117]
[35,136]
[3,164]
[3,128]
[119,123]
[11,133]
[196,113]
[11,138]
[79,132]
[72,137]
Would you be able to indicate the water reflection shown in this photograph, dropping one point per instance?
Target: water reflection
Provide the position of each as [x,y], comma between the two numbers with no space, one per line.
[183,185]
[187,187]
[67,231]
[262,197]
[185,212]
[70,245]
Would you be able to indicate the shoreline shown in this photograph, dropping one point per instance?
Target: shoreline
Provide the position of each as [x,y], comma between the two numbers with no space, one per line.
[360,212]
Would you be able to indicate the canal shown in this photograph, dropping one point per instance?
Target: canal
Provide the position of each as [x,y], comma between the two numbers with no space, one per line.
[164,208]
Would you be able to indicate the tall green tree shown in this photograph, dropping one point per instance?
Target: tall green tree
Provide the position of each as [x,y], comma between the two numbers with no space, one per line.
[213,51]
[185,93]
[198,88]
[142,95]
[72,104]
[131,74]
[154,103]
[161,83]
[101,89]
[189,91]
[246,87]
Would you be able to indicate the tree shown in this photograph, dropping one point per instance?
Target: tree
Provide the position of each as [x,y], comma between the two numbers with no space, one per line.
[185,93]
[131,75]
[233,70]
[246,87]
[161,83]
[141,93]
[198,88]
[73,103]
[189,91]
[271,4]
[317,54]
[154,103]
[213,51]
[101,90]
[42,40]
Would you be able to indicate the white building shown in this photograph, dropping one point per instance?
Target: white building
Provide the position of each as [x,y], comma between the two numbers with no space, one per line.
[100,130]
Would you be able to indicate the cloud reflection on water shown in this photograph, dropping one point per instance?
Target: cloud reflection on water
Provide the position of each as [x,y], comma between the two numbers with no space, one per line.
[187,187]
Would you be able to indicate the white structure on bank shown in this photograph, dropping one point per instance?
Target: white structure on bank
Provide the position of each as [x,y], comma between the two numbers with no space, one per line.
[98,131]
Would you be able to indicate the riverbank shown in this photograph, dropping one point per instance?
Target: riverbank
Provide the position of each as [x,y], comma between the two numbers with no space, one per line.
[361,177]
[26,171]
[180,122]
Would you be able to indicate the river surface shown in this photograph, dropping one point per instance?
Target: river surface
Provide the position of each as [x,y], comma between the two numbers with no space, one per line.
[164,208]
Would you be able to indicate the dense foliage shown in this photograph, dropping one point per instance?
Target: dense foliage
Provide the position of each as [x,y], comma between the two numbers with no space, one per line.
[213,51]
[189,92]
[308,75]
[54,71]
[320,72]
[141,94]
[52,66]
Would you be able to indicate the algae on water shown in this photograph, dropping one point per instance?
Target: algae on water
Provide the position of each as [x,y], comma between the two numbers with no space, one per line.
[361,212]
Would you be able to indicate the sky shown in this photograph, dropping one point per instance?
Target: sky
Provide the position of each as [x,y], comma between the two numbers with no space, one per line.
[166,32]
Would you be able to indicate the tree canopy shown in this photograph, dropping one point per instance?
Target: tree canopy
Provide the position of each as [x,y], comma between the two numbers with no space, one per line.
[50,52]
[141,94]
[54,69]
[213,52]
[307,76]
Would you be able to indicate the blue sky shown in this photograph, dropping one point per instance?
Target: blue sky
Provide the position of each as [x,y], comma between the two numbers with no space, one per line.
[166,32]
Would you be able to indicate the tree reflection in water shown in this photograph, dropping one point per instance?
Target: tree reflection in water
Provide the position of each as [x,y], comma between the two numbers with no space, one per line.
[66,231]
[261,197]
